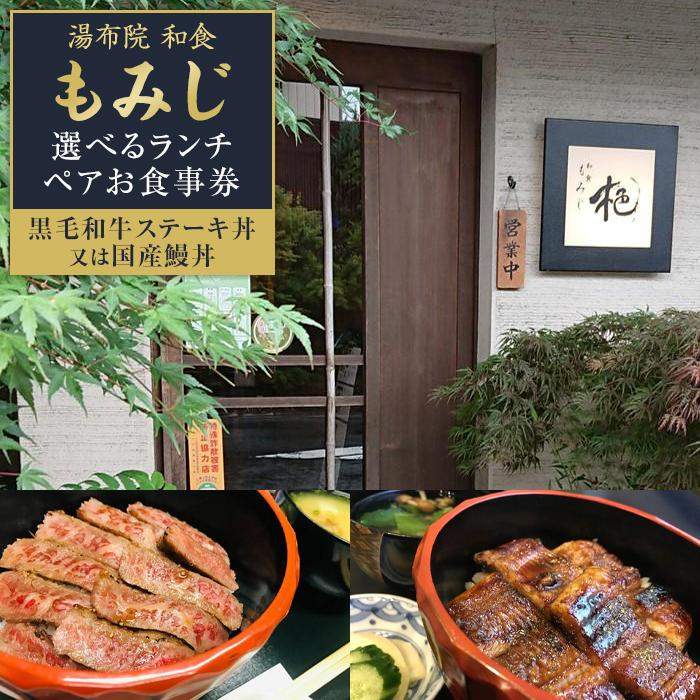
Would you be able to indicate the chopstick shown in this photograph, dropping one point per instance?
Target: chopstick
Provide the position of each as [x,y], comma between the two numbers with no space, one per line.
[319,675]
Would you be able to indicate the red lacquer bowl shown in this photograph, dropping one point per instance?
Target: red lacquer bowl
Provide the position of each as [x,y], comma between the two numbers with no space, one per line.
[263,551]
[444,562]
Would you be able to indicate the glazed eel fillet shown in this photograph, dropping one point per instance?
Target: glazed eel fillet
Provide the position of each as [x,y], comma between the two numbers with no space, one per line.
[541,574]
[507,627]
[596,609]
[652,603]
[603,623]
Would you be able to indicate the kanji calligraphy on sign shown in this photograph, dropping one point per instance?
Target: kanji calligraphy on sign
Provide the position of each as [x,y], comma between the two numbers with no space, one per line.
[512,225]
[206,456]
[609,197]
[142,143]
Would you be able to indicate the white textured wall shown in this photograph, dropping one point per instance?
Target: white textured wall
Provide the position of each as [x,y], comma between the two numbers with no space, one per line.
[631,60]
[70,444]
[610,61]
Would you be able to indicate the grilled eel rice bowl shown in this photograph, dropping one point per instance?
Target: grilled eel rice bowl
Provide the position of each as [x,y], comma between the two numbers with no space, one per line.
[543,595]
[138,594]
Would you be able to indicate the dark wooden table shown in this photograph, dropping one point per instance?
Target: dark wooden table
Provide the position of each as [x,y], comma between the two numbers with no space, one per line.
[304,638]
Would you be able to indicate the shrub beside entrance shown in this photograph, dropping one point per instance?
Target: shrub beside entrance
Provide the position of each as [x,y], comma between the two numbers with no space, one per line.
[612,401]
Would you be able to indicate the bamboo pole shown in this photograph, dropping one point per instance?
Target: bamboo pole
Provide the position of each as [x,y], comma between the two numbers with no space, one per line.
[328,291]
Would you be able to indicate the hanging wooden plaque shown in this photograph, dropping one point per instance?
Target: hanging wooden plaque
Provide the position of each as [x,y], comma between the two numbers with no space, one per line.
[512,227]
[206,456]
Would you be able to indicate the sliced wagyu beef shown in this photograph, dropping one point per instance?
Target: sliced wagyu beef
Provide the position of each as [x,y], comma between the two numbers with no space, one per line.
[129,607]
[162,521]
[54,561]
[32,644]
[82,537]
[179,542]
[102,646]
[25,597]
[119,523]
[114,591]
[156,573]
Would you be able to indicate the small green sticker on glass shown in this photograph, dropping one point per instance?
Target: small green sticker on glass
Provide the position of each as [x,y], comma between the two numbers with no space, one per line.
[273,335]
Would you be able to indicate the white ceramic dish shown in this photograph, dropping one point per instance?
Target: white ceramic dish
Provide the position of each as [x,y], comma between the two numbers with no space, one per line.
[396,617]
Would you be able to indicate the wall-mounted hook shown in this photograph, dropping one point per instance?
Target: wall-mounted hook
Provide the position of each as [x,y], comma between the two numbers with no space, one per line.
[511,190]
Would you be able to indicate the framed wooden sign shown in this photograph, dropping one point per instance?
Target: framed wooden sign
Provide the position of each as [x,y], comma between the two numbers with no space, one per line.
[608,196]
[512,228]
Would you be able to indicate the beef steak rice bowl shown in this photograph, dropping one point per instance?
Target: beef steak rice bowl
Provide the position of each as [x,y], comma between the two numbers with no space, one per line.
[124,589]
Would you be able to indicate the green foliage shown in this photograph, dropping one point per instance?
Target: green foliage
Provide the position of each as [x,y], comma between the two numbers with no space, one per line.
[32,478]
[128,480]
[299,238]
[615,401]
[299,260]
[61,333]
[298,257]
[297,48]
[65,333]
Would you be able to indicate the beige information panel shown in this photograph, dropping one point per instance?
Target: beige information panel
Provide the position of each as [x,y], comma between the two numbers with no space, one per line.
[142,143]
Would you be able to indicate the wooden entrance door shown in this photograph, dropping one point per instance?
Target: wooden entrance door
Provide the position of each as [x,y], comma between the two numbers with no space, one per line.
[421,215]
